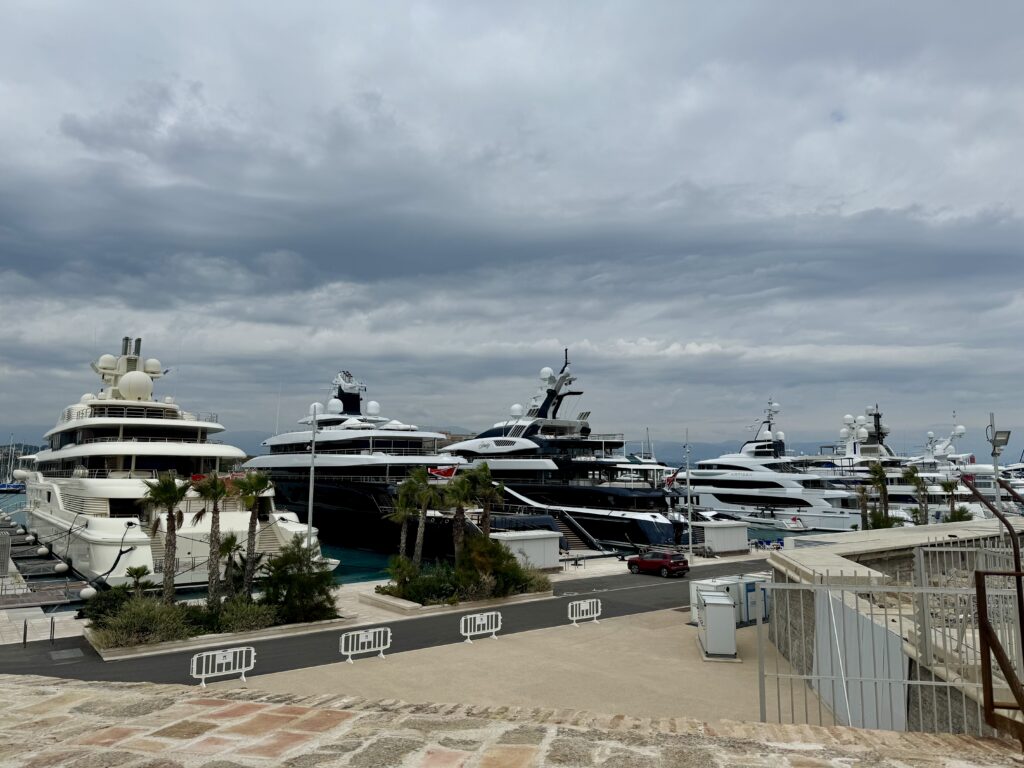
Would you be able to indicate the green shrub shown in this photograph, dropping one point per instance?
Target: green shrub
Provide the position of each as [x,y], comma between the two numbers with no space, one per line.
[101,606]
[241,615]
[487,569]
[298,587]
[144,620]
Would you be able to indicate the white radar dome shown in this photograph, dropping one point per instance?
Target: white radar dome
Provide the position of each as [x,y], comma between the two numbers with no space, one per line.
[373,408]
[516,409]
[862,434]
[87,397]
[334,405]
[316,409]
[135,385]
[780,435]
[848,418]
[930,434]
[106,363]
[767,435]
[775,407]
[844,433]
[546,373]
[861,420]
[152,365]
[960,430]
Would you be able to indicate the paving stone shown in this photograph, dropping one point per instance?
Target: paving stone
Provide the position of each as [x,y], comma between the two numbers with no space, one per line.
[211,745]
[104,759]
[260,724]
[223,764]
[465,745]
[147,745]
[432,725]
[509,756]
[48,759]
[236,711]
[388,750]
[130,707]
[686,757]
[310,761]
[186,729]
[437,757]
[277,744]
[574,752]
[524,734]
[321,721]
[108,737]
[629,758]
[161,763]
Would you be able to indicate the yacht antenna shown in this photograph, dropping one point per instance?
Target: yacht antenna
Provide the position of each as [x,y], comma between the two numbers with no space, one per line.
[689,502]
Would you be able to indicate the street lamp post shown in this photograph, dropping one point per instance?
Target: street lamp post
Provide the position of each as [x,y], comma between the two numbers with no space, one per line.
[314,411]
[689,503]
[998,438]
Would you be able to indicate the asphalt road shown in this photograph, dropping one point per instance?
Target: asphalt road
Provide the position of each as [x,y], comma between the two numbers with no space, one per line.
[621,595]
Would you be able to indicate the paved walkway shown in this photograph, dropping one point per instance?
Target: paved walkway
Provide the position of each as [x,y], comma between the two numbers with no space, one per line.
[61,724]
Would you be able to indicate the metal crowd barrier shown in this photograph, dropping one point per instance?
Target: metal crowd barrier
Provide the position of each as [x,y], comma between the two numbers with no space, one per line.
[480,624]
[581,610]
[226,661]
[376,640]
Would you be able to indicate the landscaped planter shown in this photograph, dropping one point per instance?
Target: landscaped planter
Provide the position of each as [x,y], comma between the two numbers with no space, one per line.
[409,608]
[219,640]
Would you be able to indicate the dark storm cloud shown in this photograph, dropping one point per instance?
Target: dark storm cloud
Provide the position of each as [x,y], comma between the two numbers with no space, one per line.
[706,204]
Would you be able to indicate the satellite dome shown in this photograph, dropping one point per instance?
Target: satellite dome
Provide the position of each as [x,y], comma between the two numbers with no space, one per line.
[861,420]
[781,436]
[516,409]
[106,363]
[862,434]
[767,435]
[546,373]
[334,405]
[135,385]
[87,397]
[960,430]
[775,407]
[844,433]
[848,419]
[373,408]
[152,365]
[930,434]
[316,409]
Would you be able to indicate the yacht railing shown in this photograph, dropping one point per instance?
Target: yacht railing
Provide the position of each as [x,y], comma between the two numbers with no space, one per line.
[103,411]
[111,474]
[147,440]
[372,451]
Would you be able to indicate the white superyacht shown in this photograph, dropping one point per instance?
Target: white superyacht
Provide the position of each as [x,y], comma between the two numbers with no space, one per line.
[85,494]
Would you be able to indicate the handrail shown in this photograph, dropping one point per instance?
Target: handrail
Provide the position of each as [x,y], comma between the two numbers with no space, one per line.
[989,640]
[127,439]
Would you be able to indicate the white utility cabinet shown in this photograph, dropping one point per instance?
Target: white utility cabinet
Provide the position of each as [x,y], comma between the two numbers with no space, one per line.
[716,624]
[538,549]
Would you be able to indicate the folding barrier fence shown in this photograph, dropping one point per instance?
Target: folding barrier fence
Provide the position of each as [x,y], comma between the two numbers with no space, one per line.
[376,640]
[226,661]
[488,623]
[581,610]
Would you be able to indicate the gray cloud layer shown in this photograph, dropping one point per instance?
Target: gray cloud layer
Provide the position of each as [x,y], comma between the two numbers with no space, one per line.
[706,204]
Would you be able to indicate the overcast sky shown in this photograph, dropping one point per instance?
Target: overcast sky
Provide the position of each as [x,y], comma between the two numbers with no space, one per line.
[707,203]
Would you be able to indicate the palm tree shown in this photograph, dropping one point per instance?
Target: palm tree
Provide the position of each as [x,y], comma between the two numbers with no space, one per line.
[230,550]
[912,477]
[137,573]
[458,493]
[425,496]
[877,478]
[949,488]
[862,500]
[166,494]
[251,488]
[212,489]
[405,508]
[486,494]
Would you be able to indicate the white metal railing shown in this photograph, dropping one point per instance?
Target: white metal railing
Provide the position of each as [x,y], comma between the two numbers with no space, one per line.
[112,474]
[581,610]
[488,623]
[127,439]
[376,640]
[226,661]
[103,410]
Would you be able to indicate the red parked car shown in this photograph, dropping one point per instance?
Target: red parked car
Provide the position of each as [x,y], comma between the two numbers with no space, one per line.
[664,563]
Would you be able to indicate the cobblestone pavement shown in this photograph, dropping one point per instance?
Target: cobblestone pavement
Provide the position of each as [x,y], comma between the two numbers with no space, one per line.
[70,724]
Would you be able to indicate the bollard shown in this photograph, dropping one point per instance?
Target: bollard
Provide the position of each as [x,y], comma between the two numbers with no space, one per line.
[24,634]
[51,630]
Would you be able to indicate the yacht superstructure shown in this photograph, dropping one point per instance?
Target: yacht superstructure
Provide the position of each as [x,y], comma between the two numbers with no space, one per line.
[86,492]
[763,487]
[547,460]
[360,459]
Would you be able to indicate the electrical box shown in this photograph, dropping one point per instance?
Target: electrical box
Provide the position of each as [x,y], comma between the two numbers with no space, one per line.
[716,624]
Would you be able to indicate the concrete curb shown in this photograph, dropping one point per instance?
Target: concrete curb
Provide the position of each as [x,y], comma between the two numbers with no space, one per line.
[218,640]
[409,608]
